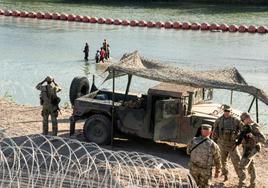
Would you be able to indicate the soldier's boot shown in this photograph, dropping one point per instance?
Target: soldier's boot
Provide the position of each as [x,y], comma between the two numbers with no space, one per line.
[252,186]
[241,184]
[225,177]
[54,130]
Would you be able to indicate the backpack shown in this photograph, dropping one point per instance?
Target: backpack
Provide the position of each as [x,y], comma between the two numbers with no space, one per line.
[55,100]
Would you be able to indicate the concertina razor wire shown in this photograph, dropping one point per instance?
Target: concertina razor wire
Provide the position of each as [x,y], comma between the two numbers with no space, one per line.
[46,161]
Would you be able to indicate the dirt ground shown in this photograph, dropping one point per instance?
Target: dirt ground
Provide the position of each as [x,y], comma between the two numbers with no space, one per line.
[21,120]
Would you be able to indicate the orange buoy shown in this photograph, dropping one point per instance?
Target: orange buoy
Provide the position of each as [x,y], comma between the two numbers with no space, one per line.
[224,27]
[117,22]
[40,15]
[86,19]
[109,21]
[15,13]
[214,26]
[159,24]
[142,23]
[168,25]
[56,16]
[101,20]
[125,22]
[93,20]
[133,23]
[71,17]
[252,29]
[48,15]
[24,14]
[233,28]
[177,25]
[63,17]
[7,13]
[262,29]
[78,18]
[242,29]
[150,24]
[204,26]
[195,26]
[32,15]
[186,25]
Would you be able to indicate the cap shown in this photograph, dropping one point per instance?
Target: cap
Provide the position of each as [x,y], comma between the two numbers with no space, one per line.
[206,126]
[226,107]
[244,116]
[49,78]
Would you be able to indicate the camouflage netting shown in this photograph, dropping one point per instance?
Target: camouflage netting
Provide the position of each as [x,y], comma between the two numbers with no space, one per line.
[229,79]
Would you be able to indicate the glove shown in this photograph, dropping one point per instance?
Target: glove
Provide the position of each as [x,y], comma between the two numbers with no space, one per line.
[258,147]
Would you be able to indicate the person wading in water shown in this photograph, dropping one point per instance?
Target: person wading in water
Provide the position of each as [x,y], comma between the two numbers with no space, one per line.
[86,51]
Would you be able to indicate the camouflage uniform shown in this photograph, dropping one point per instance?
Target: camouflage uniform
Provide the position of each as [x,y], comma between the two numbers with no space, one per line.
[47,92]
[202,159]
[226,131]
[251,145]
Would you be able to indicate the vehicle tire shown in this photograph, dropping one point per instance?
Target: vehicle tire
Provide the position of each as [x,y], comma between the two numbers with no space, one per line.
[97,129]
[78,88]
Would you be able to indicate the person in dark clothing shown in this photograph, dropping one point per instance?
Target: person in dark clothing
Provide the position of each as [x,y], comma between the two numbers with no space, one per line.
[86,51]
[97,56]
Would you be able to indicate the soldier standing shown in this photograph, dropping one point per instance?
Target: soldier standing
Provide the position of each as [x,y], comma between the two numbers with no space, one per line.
[204,153]
[251,138]
[226,130]
[50,101]
[86,51]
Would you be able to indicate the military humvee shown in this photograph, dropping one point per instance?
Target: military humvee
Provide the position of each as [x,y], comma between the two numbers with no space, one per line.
[169,111]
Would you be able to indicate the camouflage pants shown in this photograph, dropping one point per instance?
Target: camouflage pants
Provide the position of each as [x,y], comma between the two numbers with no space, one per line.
[201,176]
[247,163]
[53,115]
[235,158]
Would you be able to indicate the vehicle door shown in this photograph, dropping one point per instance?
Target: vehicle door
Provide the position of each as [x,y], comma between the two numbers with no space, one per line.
[166,119]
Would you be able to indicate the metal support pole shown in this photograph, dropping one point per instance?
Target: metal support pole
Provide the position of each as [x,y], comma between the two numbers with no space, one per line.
[93,79]
[203,94]
[231,100]
[190,102]
[128,86]
[251,104]
[257,111]
[113,98]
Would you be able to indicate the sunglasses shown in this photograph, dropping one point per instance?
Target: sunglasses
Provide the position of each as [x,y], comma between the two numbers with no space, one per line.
[226,110]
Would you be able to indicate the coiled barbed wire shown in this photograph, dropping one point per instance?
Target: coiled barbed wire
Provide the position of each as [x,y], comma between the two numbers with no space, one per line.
[44,161]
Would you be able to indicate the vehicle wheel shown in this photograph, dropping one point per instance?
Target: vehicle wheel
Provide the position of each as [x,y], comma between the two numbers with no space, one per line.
[78,88]
[98,129]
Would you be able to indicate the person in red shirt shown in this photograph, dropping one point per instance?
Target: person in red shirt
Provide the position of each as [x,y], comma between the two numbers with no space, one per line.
[102,55]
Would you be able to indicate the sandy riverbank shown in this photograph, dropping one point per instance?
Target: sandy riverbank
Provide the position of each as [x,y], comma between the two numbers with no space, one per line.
[21,120]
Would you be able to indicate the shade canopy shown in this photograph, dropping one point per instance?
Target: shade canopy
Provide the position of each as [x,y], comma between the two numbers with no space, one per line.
[230,79]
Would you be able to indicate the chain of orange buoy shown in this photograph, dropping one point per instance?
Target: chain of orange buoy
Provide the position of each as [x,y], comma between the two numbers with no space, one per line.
[136,23]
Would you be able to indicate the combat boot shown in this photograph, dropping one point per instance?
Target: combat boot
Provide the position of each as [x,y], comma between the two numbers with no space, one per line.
[241,185]
[252,186]
[225,178]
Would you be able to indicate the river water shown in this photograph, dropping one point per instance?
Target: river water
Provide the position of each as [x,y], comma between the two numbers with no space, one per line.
[30,49]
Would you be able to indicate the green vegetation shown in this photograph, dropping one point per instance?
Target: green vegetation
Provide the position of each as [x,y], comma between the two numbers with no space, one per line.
[7,96]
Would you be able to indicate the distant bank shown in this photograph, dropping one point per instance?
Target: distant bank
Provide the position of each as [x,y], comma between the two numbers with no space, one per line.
[242,2]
